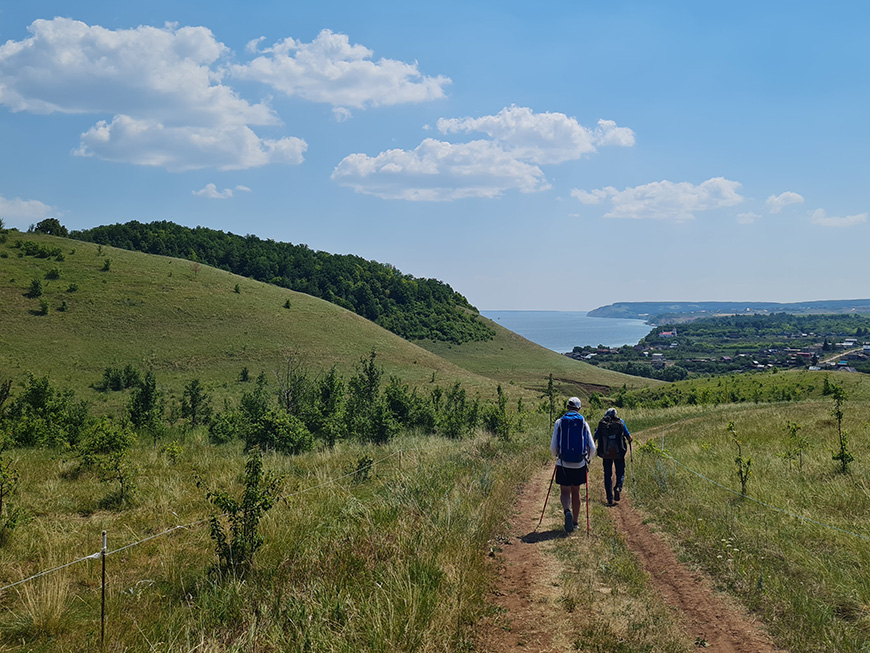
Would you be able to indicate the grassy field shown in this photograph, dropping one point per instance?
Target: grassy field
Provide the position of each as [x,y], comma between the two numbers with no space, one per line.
[515,361]
[796,551]
[392,557]
[184,321]
[384,560]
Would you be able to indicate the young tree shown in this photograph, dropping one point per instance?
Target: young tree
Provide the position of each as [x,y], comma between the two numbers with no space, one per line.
[195,403]
[842,454]
[236,533]
[146,406]
[742,464]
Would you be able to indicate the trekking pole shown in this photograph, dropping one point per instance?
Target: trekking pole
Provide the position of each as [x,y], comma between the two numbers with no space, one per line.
[547,498]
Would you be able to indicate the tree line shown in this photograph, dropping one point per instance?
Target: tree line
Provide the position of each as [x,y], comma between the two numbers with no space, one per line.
[411,307]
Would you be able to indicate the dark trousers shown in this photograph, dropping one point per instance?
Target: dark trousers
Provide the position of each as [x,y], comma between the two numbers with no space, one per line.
[619,463]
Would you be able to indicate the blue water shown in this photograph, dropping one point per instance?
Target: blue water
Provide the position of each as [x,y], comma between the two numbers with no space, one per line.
[561,331]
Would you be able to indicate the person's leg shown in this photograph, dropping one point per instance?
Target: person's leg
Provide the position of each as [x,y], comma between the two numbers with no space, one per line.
[608,482]
[620,476]
[565,495]
[575,501]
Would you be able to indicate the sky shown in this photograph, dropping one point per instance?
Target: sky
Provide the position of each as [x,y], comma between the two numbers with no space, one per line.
[539,156]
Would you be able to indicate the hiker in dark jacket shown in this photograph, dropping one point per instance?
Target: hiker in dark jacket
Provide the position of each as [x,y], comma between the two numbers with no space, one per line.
[612,439]
[573,446]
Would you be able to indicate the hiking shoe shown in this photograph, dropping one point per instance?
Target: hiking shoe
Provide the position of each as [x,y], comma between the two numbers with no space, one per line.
[569,522]
[616,492]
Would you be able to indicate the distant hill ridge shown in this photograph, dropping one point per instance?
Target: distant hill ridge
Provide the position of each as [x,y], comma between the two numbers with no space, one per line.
[658,312]
[411,307]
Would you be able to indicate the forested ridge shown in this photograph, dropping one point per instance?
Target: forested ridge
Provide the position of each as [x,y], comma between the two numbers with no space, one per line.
[411,307]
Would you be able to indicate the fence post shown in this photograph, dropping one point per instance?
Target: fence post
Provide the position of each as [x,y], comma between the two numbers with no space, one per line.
[103,602]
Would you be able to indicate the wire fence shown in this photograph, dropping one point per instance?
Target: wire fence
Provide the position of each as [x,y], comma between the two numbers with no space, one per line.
[199,522]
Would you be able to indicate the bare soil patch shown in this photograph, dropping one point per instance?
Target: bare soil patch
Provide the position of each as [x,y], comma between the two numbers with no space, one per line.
[527,617]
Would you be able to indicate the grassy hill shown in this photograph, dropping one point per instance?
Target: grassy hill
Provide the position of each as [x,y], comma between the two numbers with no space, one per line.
[112,307]
[511,359]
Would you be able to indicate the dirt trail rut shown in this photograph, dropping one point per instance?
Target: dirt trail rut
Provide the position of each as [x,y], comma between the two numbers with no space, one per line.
[528,585]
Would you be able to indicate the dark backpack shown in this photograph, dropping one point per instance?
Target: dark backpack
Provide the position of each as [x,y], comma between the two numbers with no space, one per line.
[611,438]
[572,438]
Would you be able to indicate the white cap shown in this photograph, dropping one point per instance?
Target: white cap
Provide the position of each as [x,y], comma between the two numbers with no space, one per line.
[574,402]
[611,412]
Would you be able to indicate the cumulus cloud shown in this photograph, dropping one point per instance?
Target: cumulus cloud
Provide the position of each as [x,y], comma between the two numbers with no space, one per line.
[165,73]
[821,218]
[439,171]
[747,218]
[776,203]
[19,212]
[665,200]
[151,143]
[541,138]
[332,70]
[210,191]
[519,141]
[162,85]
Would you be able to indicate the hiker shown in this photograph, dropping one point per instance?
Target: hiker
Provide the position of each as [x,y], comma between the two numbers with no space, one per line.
[573,446]
[612,440]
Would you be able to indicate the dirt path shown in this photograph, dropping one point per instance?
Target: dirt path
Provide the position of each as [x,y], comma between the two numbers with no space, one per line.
[528,585]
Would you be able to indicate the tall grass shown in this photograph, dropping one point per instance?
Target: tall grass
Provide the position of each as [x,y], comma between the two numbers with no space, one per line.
[385,561]
[808,582]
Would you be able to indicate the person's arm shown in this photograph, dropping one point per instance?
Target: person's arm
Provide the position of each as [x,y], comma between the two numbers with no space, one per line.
[627,434]
[590,442]
[554,443]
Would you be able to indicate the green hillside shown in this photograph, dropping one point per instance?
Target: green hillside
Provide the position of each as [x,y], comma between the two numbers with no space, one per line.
[408,306]
[511,359]
[183,320]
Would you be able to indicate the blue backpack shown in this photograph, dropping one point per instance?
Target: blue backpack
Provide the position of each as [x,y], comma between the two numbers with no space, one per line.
[572,438]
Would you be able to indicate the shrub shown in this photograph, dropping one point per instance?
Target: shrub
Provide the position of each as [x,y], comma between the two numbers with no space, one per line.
[238,540]
[52,274]
[10,515]
[279,431]
[35,289]
[105,447]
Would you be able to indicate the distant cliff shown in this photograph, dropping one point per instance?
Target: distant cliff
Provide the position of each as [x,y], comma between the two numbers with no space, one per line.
[659,312]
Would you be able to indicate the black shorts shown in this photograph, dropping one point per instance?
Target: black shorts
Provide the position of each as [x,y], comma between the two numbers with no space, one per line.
[570,476]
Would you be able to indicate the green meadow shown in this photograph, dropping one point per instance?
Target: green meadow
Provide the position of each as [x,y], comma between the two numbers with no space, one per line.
[383,546]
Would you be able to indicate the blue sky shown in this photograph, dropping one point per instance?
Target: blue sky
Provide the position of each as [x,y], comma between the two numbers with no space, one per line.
[563,155]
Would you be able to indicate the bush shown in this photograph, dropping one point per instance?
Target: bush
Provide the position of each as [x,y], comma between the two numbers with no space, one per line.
[279,431]
[35,289]
[236,543]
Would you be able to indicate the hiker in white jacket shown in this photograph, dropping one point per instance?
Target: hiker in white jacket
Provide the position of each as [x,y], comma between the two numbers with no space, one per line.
[573,446]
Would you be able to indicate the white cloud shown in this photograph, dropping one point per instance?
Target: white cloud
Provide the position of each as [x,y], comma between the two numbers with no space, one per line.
[439,171]
[777,203]
[820,218]
[540,138]
[151,143]
[340,114]
[593,197]
[17,212]
[747,218]
[166,74]
[665,200]
[210,191]
[162,85]
[332,71]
